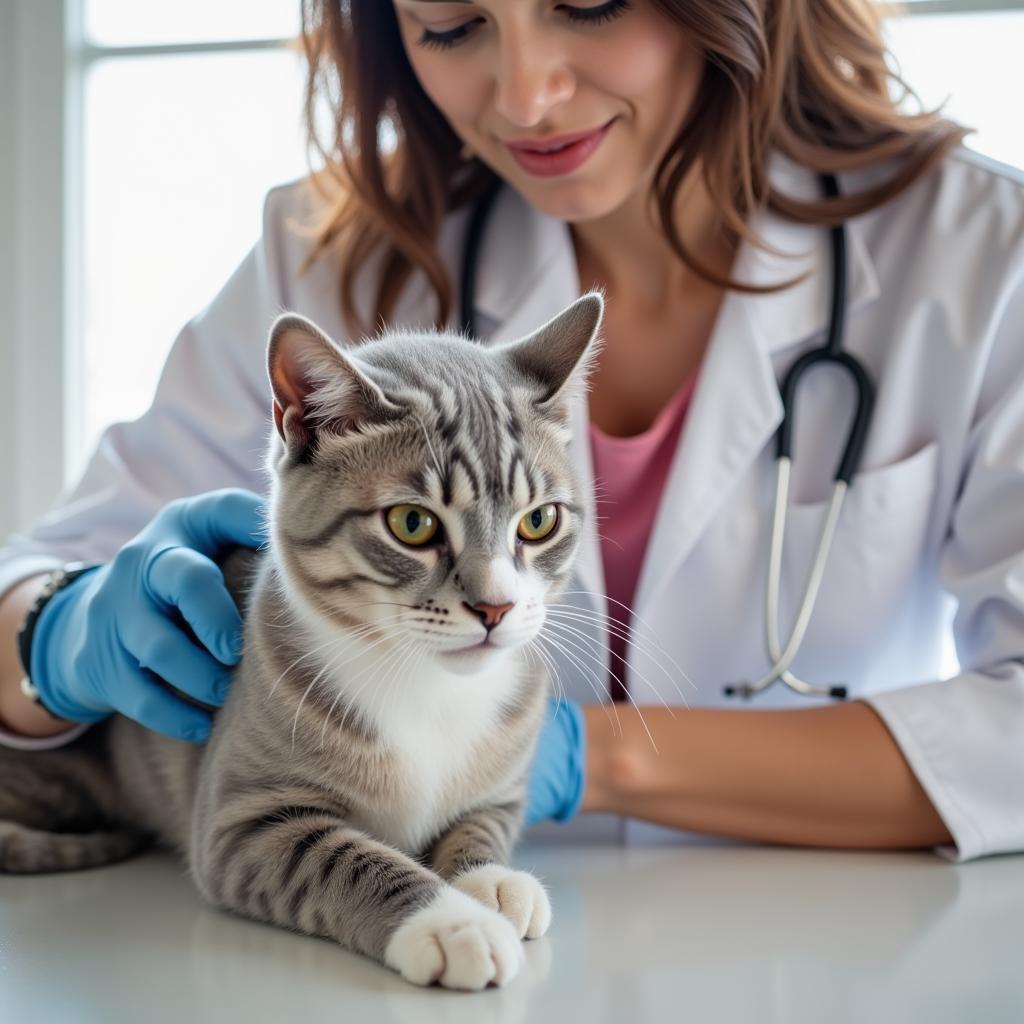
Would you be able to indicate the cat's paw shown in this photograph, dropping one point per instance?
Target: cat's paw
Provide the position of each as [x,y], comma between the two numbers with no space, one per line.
[516,894]
[457,942]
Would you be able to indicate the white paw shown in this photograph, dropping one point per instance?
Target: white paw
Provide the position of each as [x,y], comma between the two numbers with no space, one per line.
[456,941]
[516,894]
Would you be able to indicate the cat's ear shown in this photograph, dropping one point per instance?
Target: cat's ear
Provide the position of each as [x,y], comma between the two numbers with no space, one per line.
[558,358]
[317,386]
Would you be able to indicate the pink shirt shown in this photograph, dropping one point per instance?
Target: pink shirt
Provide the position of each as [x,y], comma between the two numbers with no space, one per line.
[629,474]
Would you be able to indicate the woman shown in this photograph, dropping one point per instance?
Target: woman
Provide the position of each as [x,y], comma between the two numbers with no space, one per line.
[700,213]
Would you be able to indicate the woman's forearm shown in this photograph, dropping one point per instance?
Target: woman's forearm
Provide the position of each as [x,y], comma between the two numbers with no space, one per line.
[828,776]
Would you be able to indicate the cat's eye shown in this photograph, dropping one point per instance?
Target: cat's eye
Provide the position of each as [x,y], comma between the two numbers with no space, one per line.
[538,522]
[412,524]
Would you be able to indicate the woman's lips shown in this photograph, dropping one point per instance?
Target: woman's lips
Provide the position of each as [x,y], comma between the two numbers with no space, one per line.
[555,140]
[562,161]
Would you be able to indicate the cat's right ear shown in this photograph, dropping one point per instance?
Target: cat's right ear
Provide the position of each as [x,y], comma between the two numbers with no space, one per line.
[316,386]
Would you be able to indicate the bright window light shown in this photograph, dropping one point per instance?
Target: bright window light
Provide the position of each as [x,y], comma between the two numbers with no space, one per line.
[131,23]
[974,61]
[179,152]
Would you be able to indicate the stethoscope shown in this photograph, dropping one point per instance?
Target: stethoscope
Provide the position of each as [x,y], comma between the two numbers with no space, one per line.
[830,352]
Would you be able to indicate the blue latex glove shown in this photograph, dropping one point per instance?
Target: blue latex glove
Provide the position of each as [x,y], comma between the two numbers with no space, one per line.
[555,787]
[102,641]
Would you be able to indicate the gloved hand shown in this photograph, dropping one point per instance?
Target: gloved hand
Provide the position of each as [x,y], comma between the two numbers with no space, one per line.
[100,643]
[558,769]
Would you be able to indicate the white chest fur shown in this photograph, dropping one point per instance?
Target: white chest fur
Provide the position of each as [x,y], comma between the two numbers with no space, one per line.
[433,758]
[429,721]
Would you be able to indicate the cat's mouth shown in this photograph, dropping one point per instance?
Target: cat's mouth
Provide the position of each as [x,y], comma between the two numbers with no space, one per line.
[478,648]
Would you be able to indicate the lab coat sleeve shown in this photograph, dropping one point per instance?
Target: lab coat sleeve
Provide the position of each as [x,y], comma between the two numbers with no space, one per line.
[207,427]
[964,736]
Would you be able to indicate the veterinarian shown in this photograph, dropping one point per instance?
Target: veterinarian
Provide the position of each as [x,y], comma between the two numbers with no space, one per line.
[694,199]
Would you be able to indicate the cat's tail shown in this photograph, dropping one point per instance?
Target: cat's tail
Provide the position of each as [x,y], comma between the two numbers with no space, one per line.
[30,851]
[60,809]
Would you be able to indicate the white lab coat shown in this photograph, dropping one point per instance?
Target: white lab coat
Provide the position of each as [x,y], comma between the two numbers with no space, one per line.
[931,536]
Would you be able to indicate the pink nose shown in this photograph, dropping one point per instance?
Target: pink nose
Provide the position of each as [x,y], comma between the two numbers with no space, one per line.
[490,614]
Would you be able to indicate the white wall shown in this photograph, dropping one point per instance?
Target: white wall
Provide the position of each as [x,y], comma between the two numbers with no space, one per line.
[8,246]
[32,279]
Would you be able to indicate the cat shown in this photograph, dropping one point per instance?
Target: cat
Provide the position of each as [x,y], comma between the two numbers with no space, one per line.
[365,780]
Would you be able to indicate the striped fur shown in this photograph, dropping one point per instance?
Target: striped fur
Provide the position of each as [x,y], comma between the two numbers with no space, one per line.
[358,772]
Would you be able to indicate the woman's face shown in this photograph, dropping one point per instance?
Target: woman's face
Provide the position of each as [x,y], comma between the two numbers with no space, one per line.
[525,69]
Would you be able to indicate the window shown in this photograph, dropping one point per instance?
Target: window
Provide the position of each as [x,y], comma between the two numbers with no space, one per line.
[968,57]
[187,120]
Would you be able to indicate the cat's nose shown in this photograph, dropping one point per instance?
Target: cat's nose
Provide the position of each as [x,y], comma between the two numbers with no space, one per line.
[490,614]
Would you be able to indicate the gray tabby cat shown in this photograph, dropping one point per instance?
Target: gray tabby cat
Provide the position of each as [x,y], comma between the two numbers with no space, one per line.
[366,779]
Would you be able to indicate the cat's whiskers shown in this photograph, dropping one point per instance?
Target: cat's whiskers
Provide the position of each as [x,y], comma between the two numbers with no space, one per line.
[396,665]
[396,604]
[333,665]
[328,717]
[633,613]
[286,613]
[374,673]
[552,669]
[410,650]
[327,665]
[301,657]
[342,637]
[343,641]
[344,691]
[628,694]
[596,685]
[608,540]
[352,698]
[621,631]
[586,636]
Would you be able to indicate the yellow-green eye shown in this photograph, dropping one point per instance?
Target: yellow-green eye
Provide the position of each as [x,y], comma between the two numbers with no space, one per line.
[538,522]
[412,524]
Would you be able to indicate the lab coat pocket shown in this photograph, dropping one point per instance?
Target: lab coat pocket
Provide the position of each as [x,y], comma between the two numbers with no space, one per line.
[875,560]
[882,491]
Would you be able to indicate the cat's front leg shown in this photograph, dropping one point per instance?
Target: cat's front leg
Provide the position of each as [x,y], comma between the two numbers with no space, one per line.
[302,867]
[473,855]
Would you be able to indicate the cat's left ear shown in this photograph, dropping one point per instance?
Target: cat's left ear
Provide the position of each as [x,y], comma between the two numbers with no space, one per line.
[317,386]
[558,358]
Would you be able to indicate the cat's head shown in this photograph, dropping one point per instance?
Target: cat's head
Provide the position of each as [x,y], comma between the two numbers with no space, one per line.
[421,487]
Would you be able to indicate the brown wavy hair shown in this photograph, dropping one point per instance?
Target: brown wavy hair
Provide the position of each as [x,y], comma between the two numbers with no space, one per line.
[807,77]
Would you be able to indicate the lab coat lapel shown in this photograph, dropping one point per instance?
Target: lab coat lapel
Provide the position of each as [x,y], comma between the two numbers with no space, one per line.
[736,408]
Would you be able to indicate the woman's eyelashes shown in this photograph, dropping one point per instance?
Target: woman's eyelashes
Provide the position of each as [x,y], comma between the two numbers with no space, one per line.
[417,526]
[587,15]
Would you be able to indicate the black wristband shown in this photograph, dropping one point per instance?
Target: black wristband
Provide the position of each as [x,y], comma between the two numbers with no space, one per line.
[57,580]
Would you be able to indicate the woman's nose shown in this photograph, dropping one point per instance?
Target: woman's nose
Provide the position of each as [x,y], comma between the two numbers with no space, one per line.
[532,77]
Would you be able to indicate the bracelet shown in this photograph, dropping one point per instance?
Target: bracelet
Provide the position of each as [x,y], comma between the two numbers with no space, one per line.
[57,580]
